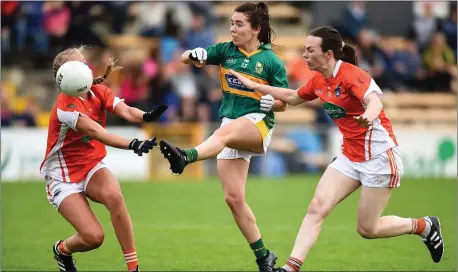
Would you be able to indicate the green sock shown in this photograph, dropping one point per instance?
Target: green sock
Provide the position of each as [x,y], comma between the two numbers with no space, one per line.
[259,249]
[191,155]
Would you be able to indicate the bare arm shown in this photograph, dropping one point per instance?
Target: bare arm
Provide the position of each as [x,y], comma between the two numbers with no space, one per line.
[279,105]
[91,128]
[289,96]
[131,114]
[374,107]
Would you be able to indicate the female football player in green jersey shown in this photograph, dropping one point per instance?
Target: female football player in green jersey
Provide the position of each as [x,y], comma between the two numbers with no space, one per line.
[247,116]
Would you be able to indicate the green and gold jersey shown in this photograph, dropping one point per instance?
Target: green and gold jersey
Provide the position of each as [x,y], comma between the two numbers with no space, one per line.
[261,66]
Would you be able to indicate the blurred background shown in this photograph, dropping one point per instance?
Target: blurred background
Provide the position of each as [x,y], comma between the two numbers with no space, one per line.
[182,223]
[412,57]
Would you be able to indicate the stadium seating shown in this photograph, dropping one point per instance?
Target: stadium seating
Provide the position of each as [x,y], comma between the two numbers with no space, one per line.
[276,10]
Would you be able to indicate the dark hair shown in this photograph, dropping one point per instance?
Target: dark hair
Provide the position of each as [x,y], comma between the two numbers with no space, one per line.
[258,15]
[61,58]
[331,40]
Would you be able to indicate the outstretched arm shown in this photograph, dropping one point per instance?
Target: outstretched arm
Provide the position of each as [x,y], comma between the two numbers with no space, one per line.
[91,128]
[289,96]
[135,115]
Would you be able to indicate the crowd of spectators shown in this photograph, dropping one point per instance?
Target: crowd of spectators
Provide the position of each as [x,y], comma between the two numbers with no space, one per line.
[424,61]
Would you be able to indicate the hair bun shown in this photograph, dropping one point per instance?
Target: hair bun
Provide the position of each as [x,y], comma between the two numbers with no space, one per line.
[263,6]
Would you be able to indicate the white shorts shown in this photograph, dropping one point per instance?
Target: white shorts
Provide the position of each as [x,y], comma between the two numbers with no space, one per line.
[58,190]
[382,171]
[266,133]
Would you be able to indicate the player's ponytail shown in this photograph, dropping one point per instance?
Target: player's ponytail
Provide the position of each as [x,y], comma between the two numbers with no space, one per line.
[258,16]
[349,54]
[62,57]
[331,40]
[110,68]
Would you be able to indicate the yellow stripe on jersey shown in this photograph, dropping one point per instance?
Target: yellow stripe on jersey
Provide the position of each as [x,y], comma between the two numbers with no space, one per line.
[262,127]
[231,84]
[248,54]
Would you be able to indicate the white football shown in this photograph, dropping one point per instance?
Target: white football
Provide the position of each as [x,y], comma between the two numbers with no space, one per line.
[74,78]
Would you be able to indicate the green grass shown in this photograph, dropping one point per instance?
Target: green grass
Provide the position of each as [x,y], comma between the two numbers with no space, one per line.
[187,226]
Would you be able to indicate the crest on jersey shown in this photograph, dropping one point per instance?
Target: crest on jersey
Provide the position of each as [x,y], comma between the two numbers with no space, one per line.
[259,67]
[71,106]
[338,91]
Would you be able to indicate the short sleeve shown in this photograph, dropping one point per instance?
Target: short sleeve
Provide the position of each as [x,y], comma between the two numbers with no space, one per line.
[216,53]
[306,91]
[69,111]
[361,83]
[110,100]
[278,76]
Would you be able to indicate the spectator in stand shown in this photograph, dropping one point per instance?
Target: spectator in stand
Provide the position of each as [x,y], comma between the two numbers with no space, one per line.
[440,63]
[133,87]
[11,119]
[424,26]
[9,11]
[355,18]
[369,54]
[151,19]
[171,38]
[385,56]
[56,22]
[80,29]
[199,35]
[408,66]
[184,87]
[449,28]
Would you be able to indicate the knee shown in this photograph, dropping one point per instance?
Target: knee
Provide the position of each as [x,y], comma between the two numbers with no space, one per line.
[114,200]
[223,136]
[366,231]
[94,238]
[318,207]
[235,200]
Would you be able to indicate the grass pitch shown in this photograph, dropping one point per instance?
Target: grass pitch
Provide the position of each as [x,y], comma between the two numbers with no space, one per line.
[187,226]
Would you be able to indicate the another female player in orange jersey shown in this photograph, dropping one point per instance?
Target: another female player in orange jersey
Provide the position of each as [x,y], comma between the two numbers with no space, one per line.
[74,169]
[370,158]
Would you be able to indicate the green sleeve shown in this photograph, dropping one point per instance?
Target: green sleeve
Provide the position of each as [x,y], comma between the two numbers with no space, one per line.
[216,53]
[277,76]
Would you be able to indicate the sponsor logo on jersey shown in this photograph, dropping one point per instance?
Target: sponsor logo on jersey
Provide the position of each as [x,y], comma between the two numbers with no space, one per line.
[334,111]
[259,67]
[230,61]
[234,83]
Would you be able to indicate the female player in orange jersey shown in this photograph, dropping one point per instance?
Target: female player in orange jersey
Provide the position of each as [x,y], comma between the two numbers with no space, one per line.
[370,158]
[74,169]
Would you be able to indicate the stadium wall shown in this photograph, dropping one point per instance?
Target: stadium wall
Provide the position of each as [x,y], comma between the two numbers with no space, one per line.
[426,154]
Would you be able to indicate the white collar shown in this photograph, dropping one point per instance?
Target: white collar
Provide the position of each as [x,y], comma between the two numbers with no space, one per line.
[336,68]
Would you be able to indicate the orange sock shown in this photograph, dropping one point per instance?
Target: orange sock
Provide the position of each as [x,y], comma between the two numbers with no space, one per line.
[418,226]
[63,249]
[131,259]
[293,264]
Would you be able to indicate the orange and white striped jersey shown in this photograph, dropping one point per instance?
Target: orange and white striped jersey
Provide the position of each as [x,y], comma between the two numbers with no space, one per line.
[70,154]
[343,96]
